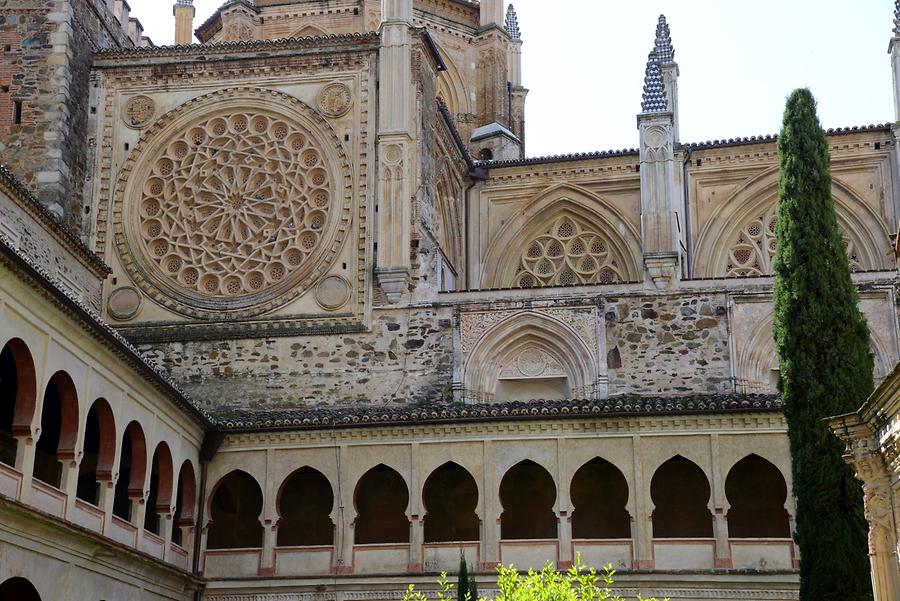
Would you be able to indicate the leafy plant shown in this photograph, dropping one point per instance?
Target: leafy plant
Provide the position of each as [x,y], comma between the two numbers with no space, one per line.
[578,583]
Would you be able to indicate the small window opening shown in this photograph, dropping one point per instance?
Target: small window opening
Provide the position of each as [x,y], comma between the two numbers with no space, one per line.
[17,112]
[699,162]
[127,146]
[486,154]
[7,48]
[877,145]
[93,110]
[5,89]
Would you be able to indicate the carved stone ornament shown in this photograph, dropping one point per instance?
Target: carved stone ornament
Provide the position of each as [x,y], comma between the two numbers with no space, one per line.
[229,208]
[333,293]
[335,100]
[532,363]
[124,303]
[139,111]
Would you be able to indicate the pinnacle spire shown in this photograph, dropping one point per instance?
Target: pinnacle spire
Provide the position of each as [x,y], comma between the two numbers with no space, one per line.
[897,19]
[664,50]
[654,91]
[512,23]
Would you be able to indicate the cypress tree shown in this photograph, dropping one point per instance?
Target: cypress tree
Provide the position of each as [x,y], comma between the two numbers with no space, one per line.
[473,588]
[462,583]
[822,342]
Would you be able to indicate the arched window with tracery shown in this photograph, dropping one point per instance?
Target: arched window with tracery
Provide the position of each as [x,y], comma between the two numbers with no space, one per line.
[527,494]
[235,508]
[757,492]
[304,504]
[381,500]
[599,495]
[753,252]
[451,496]
[680,493]
[567,254]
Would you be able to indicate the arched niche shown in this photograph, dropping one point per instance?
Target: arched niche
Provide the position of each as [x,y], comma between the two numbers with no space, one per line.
[528,494]
[132,470]
[680,493]
[509,248]
[18,589]
[59,429]
[528,344]
[234,510]
[381,498]
[450,497]
[304,503]
[18,396]
[185,502]
[756,491]
[159,499]
[861,228]
[99,451]
[599,494]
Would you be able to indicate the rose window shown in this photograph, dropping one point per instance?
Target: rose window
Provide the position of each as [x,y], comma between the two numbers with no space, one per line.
[567,255]
[753,254]
[234,205]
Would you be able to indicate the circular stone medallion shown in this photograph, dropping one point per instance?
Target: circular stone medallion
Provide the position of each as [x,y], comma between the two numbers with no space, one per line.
[333,293]
[335,100]
[139,111]
[532,363]
[124,303]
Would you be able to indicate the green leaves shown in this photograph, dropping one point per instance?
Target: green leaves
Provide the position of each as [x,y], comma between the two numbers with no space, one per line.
[578,583]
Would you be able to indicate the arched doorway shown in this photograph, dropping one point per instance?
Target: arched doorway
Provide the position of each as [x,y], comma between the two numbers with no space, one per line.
[99,451]
[18,589]
[599,495]
[680,493]
[17,396]
[59,429]
[756,491]
[527,493]
[381,500]
[235,508]
[304,504]
[451,496]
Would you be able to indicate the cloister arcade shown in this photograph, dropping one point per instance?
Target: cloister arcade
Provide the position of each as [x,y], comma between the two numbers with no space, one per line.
[396,520]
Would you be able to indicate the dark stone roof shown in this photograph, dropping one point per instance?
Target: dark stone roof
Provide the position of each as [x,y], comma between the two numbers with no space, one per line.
[724,143]
[281,419]
[54,223]
[233,47]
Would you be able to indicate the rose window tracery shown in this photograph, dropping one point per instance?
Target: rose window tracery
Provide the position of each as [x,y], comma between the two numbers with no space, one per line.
[231,210]
[234,205]
[753,254]
[567,255]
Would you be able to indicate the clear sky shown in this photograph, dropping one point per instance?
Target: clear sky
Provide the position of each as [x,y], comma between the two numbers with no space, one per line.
[584,64]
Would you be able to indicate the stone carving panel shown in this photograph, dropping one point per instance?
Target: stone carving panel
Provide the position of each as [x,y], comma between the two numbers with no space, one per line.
[335,100]
[139,111]
[567,255]
[233,209]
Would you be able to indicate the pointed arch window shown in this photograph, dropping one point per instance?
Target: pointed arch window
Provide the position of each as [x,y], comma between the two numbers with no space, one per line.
[568,254]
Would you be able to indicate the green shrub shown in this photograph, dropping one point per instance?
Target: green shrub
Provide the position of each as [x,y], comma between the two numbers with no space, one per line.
[578,583]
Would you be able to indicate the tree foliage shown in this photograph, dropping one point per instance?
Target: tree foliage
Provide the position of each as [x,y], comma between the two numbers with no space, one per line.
[822,343]
[578,583]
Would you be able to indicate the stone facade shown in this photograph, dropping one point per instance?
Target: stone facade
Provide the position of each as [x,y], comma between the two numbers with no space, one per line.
[370,335]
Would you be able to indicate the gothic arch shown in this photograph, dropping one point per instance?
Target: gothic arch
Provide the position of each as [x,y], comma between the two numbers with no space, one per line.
[309,31]
[590,212]
[860,226]
[451,88]
[534,334]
